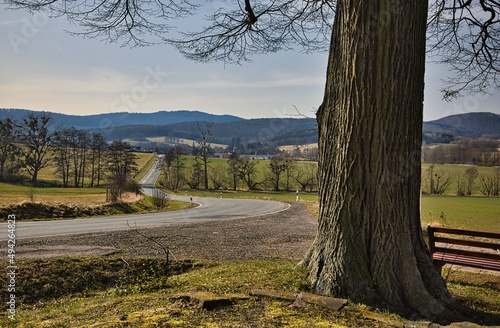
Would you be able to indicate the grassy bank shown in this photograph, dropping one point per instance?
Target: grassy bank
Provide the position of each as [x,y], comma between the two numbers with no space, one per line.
[13,194]
[43,211]
[145,162]
[61,203]
[111,292]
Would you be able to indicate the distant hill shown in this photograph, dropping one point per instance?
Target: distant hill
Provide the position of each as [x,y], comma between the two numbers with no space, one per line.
[270,131]
[123,119]
[225,129]
[469,125]
[231,130]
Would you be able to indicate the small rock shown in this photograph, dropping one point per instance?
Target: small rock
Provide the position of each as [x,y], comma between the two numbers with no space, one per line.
[324,301]
[464,325]
[300,299]
[285,296]
[209,301]
[299,302]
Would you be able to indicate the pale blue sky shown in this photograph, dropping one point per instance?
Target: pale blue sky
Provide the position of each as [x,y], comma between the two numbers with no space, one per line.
[44,68]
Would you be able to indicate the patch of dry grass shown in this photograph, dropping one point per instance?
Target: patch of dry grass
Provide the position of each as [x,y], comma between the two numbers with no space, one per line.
[17,195]
[11,194]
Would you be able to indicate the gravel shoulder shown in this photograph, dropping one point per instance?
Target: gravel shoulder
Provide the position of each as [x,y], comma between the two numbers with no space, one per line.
[286,236]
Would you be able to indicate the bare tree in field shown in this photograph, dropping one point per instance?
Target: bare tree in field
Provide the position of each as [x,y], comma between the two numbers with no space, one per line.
[233,169]
[194,176]
[204,150]
[97,147]
[369,246]
[439,182]
[290,169]
[247,170]
[279,168]
[496,189]
[78,141]
[173,167]
[37,138]
[471,175]
[487,184]
[307,177]
[8,149]
[120,165]
[84,140]
[62,157]
[276,168]
[218,177]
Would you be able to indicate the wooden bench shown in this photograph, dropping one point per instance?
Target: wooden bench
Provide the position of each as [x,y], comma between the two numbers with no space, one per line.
[465,251]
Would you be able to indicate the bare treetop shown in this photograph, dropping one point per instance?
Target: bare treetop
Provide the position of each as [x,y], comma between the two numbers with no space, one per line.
[463,34]
[129,22]
[237,32]
[466,36]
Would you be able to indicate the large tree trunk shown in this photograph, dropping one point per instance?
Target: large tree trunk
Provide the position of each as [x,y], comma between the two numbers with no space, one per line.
[369,245]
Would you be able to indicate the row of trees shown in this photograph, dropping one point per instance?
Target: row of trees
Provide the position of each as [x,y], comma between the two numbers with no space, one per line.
[238,172]
[79,154]
[308,154]
[436,182]
[464,151]
[284,173]
[81,158]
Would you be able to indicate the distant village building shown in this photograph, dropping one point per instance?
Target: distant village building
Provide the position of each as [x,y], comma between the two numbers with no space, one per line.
[222,155]
[258,157]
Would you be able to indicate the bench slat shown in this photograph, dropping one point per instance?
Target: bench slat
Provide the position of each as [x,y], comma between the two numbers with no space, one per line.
[464,242]
[469,253]
[462,232]
[447,256]
[466,261]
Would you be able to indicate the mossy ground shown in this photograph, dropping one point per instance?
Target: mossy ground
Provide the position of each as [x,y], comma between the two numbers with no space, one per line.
[114,292]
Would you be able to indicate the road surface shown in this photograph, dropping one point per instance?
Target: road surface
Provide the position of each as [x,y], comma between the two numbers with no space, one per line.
[209,209]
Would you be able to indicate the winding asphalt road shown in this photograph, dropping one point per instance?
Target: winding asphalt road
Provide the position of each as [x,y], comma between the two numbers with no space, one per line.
[209,209]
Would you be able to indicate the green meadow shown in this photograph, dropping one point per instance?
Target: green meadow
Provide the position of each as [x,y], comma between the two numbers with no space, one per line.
[476,212]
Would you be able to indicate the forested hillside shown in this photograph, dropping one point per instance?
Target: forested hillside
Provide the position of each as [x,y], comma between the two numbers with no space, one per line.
[250,134]
[108,120]
[269,132]
[468,125]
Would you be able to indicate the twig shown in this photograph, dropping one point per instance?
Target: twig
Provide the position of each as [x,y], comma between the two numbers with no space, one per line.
[128,265]
[165,249]
[298,113]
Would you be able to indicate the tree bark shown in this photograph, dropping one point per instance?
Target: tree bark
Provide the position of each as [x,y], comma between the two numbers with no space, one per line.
[369,245]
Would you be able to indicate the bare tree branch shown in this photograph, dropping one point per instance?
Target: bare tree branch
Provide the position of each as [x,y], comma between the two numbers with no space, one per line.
[166,249]
[299,113]
[131,22]
[236,35]
[465,35]
[251,16]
